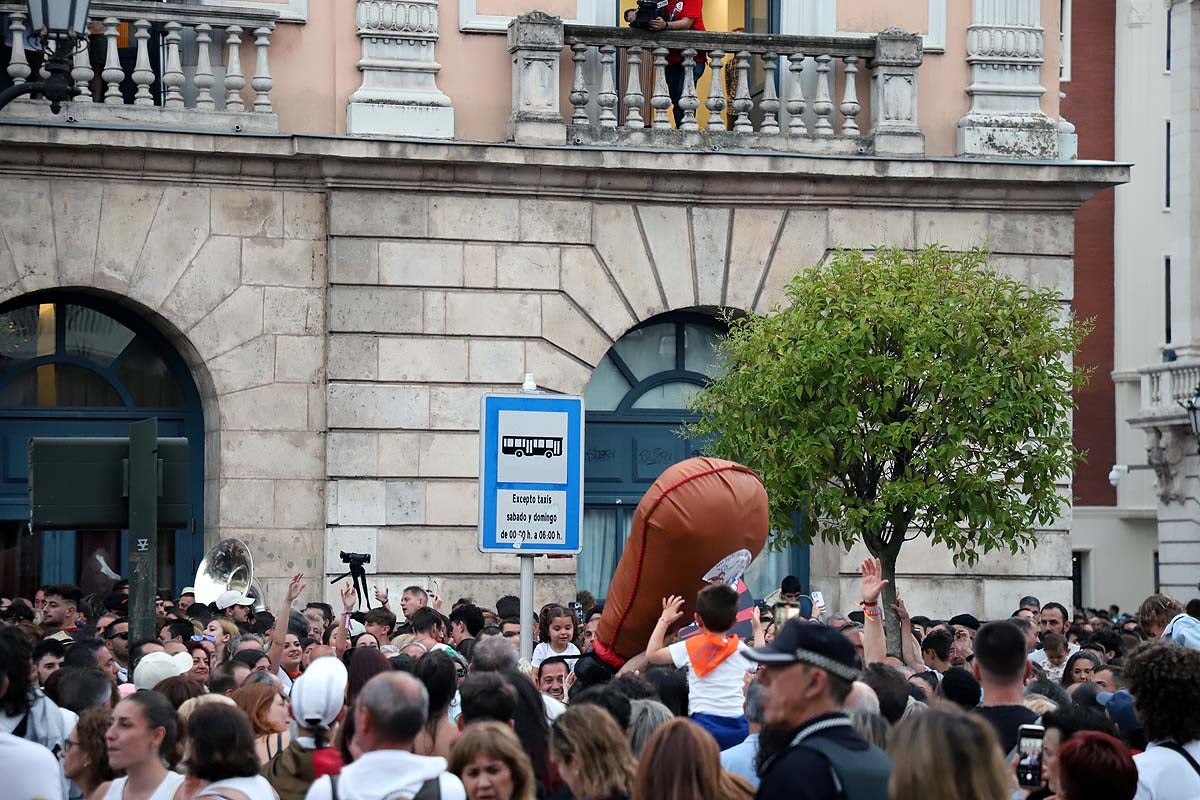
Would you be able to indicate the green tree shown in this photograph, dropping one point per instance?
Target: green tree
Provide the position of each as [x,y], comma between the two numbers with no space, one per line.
[902,394]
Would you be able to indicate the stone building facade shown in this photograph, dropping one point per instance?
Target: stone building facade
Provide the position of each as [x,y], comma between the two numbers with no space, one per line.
[343,305]
[340,287]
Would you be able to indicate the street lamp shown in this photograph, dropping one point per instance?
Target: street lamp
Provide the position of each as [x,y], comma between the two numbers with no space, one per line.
[1192,407]
[63,22]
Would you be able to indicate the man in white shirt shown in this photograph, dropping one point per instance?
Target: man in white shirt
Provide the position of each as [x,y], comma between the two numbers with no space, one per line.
[388,714]
[1162,679]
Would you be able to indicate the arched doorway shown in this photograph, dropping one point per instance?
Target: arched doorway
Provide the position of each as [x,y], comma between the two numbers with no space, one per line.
[74,365]
[636,401]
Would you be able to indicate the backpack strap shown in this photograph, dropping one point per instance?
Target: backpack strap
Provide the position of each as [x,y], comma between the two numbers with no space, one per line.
[430,790]
[333,787]
[1178,748]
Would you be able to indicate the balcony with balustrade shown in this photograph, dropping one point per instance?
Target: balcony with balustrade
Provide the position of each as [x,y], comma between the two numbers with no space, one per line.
[776,93]
[156,64]
[208,67]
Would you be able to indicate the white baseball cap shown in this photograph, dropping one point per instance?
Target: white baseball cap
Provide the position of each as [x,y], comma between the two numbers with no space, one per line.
[232,598]
[318,695]
[156,667]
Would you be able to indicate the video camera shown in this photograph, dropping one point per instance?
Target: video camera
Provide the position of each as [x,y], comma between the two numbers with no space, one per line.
[355,558]
[647,10]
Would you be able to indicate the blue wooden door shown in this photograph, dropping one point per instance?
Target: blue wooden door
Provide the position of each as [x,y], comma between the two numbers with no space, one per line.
[73,366]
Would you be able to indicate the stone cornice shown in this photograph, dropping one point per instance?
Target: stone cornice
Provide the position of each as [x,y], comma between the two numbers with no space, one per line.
[726,178]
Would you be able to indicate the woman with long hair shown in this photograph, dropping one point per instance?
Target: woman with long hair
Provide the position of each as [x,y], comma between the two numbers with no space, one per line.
[529,722]
[440,675]
[143,740]
[221,761]
[489,760]
[682,762]
[85,753]
[946,754]
[591,754]
[264,704]
[362,665]
[1081,667]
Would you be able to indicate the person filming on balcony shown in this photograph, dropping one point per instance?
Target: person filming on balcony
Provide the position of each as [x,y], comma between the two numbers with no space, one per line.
[673,15]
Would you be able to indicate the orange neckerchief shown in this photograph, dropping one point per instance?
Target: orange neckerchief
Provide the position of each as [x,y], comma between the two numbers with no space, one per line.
[706,651]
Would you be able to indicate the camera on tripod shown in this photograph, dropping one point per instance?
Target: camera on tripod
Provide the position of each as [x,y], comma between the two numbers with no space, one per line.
[355,559]
[647,10]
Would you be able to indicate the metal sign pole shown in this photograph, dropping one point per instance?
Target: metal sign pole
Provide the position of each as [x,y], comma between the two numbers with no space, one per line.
[526,605]
[143,528]
[529,386]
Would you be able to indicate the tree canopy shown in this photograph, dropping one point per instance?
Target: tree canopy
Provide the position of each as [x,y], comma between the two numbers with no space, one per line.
[899,394]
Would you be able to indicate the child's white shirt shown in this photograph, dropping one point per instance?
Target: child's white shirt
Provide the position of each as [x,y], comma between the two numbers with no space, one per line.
[544,651]
[720,691]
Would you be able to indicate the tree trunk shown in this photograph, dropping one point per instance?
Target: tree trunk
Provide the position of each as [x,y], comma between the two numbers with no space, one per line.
[887,559]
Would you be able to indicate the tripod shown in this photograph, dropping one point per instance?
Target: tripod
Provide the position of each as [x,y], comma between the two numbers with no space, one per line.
[357,576]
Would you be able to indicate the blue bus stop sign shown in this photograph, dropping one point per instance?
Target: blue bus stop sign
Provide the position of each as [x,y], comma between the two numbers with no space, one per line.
[531,474]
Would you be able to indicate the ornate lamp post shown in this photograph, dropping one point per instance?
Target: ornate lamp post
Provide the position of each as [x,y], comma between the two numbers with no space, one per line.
[1192,407]
[63,22]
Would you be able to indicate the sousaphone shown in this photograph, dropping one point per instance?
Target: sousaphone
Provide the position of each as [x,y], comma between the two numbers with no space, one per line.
[227,566]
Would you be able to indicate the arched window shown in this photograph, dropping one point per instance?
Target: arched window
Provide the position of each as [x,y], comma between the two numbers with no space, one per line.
[71,365]
[637,401]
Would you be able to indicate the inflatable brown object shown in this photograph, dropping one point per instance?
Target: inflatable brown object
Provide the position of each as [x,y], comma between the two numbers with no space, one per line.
[695,516]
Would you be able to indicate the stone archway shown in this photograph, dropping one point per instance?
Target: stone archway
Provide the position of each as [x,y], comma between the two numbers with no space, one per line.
[235,279]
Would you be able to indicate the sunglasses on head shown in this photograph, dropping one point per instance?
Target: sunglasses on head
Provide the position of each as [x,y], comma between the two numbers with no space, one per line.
[203,637]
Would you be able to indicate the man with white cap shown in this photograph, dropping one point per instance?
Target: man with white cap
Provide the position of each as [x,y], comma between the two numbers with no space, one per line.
[154,668]
[390,711]
[235,605]
[317,700]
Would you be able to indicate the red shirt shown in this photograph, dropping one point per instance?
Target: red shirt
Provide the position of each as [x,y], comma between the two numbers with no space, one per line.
[680,9]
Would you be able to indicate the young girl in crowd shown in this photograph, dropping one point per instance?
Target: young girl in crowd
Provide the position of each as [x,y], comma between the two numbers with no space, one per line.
[142,741]
[556,634]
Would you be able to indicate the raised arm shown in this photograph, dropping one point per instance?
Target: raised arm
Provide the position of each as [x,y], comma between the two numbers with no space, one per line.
[909,651]
[874,639]
[656,653]
[341,637]
[282,616]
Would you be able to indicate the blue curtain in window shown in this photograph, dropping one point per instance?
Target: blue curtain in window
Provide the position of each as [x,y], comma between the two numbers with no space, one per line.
[604,533]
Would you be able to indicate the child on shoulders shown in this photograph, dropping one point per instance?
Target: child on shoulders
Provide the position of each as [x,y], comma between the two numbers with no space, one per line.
[716,667]
[556,632]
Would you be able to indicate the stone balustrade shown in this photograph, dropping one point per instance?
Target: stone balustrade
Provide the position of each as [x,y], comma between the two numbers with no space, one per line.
[1165,386]
[786,93]
[158,64]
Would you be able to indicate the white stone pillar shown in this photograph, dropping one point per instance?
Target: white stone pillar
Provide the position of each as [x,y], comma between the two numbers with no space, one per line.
[399,94]
[1183,242]
[535,43]
[1005,48]
[896,128]
[1172,453]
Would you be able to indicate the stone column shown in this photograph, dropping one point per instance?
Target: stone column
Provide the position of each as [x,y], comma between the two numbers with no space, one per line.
[896,127]
[399,94]
[1184,238]
[1005,48]
[535,42]
[1172,454]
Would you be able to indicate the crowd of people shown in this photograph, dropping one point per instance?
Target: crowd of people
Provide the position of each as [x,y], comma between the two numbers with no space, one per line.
[364,704]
